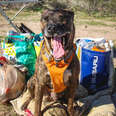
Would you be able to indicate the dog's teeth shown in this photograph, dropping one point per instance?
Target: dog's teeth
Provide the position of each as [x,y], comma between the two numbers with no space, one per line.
[63,41]
[51,43]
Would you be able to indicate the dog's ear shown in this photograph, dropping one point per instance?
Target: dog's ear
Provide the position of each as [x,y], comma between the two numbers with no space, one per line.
[69,15]
[45,14]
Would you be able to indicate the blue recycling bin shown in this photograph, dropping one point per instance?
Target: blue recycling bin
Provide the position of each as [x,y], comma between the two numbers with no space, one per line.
[95,71]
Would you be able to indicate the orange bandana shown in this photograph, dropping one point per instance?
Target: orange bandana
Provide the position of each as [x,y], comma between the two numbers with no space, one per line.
[56,71]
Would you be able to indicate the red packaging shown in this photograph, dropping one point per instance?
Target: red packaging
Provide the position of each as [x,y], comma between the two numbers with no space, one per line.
[2,58]
[28,112]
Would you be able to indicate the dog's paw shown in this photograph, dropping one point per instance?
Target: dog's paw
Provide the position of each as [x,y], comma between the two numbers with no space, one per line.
[78,110]
[71,111]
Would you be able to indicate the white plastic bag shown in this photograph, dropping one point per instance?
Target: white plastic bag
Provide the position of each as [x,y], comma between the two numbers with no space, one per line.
[12,82]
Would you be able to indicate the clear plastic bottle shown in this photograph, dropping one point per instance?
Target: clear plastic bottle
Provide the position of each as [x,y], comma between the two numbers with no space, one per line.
[107,46]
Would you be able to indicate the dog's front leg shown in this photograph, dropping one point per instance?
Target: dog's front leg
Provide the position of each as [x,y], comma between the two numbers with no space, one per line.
[71,95]
[70,105]
[39,89]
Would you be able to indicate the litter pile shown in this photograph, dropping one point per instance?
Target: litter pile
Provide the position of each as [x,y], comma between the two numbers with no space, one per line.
[95,55]
[18,53]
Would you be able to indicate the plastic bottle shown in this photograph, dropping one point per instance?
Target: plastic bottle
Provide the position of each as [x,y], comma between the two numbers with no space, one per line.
[107,46]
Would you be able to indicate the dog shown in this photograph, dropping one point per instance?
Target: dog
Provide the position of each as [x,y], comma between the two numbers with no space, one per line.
[57,66]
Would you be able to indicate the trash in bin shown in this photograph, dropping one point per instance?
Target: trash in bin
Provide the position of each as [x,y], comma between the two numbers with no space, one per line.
[95,61]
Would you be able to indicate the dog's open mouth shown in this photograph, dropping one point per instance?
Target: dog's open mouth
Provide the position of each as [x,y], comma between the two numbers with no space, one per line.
[58,48]
[58,44]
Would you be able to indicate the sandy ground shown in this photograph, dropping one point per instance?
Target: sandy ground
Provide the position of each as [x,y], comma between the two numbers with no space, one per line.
[107,29]
[96,31]
[81,30]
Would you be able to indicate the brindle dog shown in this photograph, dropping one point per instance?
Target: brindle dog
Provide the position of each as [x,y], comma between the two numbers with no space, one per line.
[58,30]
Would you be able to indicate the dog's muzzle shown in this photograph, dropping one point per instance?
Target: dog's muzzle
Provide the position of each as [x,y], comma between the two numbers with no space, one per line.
[51,28]
[58,36]
[55,29]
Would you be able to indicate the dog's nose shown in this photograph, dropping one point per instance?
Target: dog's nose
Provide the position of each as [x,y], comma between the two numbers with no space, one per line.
[51,28]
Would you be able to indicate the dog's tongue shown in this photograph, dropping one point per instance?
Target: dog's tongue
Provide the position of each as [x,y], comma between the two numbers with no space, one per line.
[58,50]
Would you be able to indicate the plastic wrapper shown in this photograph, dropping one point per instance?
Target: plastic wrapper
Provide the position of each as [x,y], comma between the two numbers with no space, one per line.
[12,82]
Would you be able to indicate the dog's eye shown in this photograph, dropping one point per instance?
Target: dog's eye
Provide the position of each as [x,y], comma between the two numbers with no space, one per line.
[64,22]
[61,18]
[46,18]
